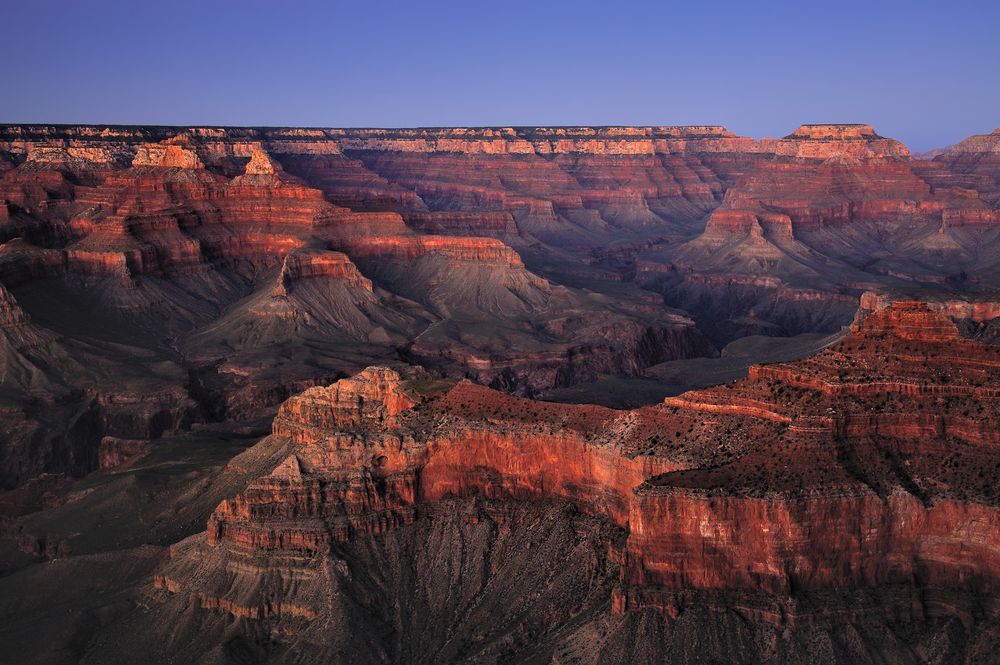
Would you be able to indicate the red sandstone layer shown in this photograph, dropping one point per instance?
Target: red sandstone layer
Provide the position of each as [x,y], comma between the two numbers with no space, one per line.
[475,250]
[848,483]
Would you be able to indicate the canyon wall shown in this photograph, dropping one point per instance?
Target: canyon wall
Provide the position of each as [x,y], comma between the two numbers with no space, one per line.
[261,261]
[850,485]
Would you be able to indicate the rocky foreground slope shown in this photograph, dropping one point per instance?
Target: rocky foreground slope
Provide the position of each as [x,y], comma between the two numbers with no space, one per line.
[840,508]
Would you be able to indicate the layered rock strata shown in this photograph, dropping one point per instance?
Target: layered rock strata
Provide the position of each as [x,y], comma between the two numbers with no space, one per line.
[522,257]
[861,470]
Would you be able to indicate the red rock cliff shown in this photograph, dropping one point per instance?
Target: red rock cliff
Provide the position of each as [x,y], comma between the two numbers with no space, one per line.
[804,477]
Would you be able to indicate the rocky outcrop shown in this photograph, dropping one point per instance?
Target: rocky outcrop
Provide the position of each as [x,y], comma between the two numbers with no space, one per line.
[972,313]
[371,399]
[261,164]
[546,140]
[882,463]
[970,169]
[463,223]
[167,156]
[362,460]
[911,320]
[307,264]
[115,452]
[848,132]
[853,486]
[852,141]
[72,158]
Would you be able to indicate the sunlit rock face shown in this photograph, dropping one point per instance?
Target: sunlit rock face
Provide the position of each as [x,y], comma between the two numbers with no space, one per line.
[844,489]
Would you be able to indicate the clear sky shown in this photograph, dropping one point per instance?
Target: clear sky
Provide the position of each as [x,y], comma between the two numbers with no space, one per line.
[927,73]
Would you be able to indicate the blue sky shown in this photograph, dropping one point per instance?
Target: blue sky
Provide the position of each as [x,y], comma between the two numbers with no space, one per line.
[927,73]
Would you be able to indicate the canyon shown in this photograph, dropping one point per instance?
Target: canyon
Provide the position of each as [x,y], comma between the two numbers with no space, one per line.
[532,394]
[395,505]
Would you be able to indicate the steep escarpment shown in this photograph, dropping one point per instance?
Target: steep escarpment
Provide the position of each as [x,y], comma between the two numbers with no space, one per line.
[840,208]
[257,262]
[834,211]
[576,185]
[864,470]
[261,262]
[971,165]
[887,438]
[823,141]
[977,316]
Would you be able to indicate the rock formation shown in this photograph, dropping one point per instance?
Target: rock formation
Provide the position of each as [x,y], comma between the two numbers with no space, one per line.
[863,470]
[857,141]
[167,155]
[202,235]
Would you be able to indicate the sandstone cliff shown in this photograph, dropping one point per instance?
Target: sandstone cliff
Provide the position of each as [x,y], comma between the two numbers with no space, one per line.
[862,470]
